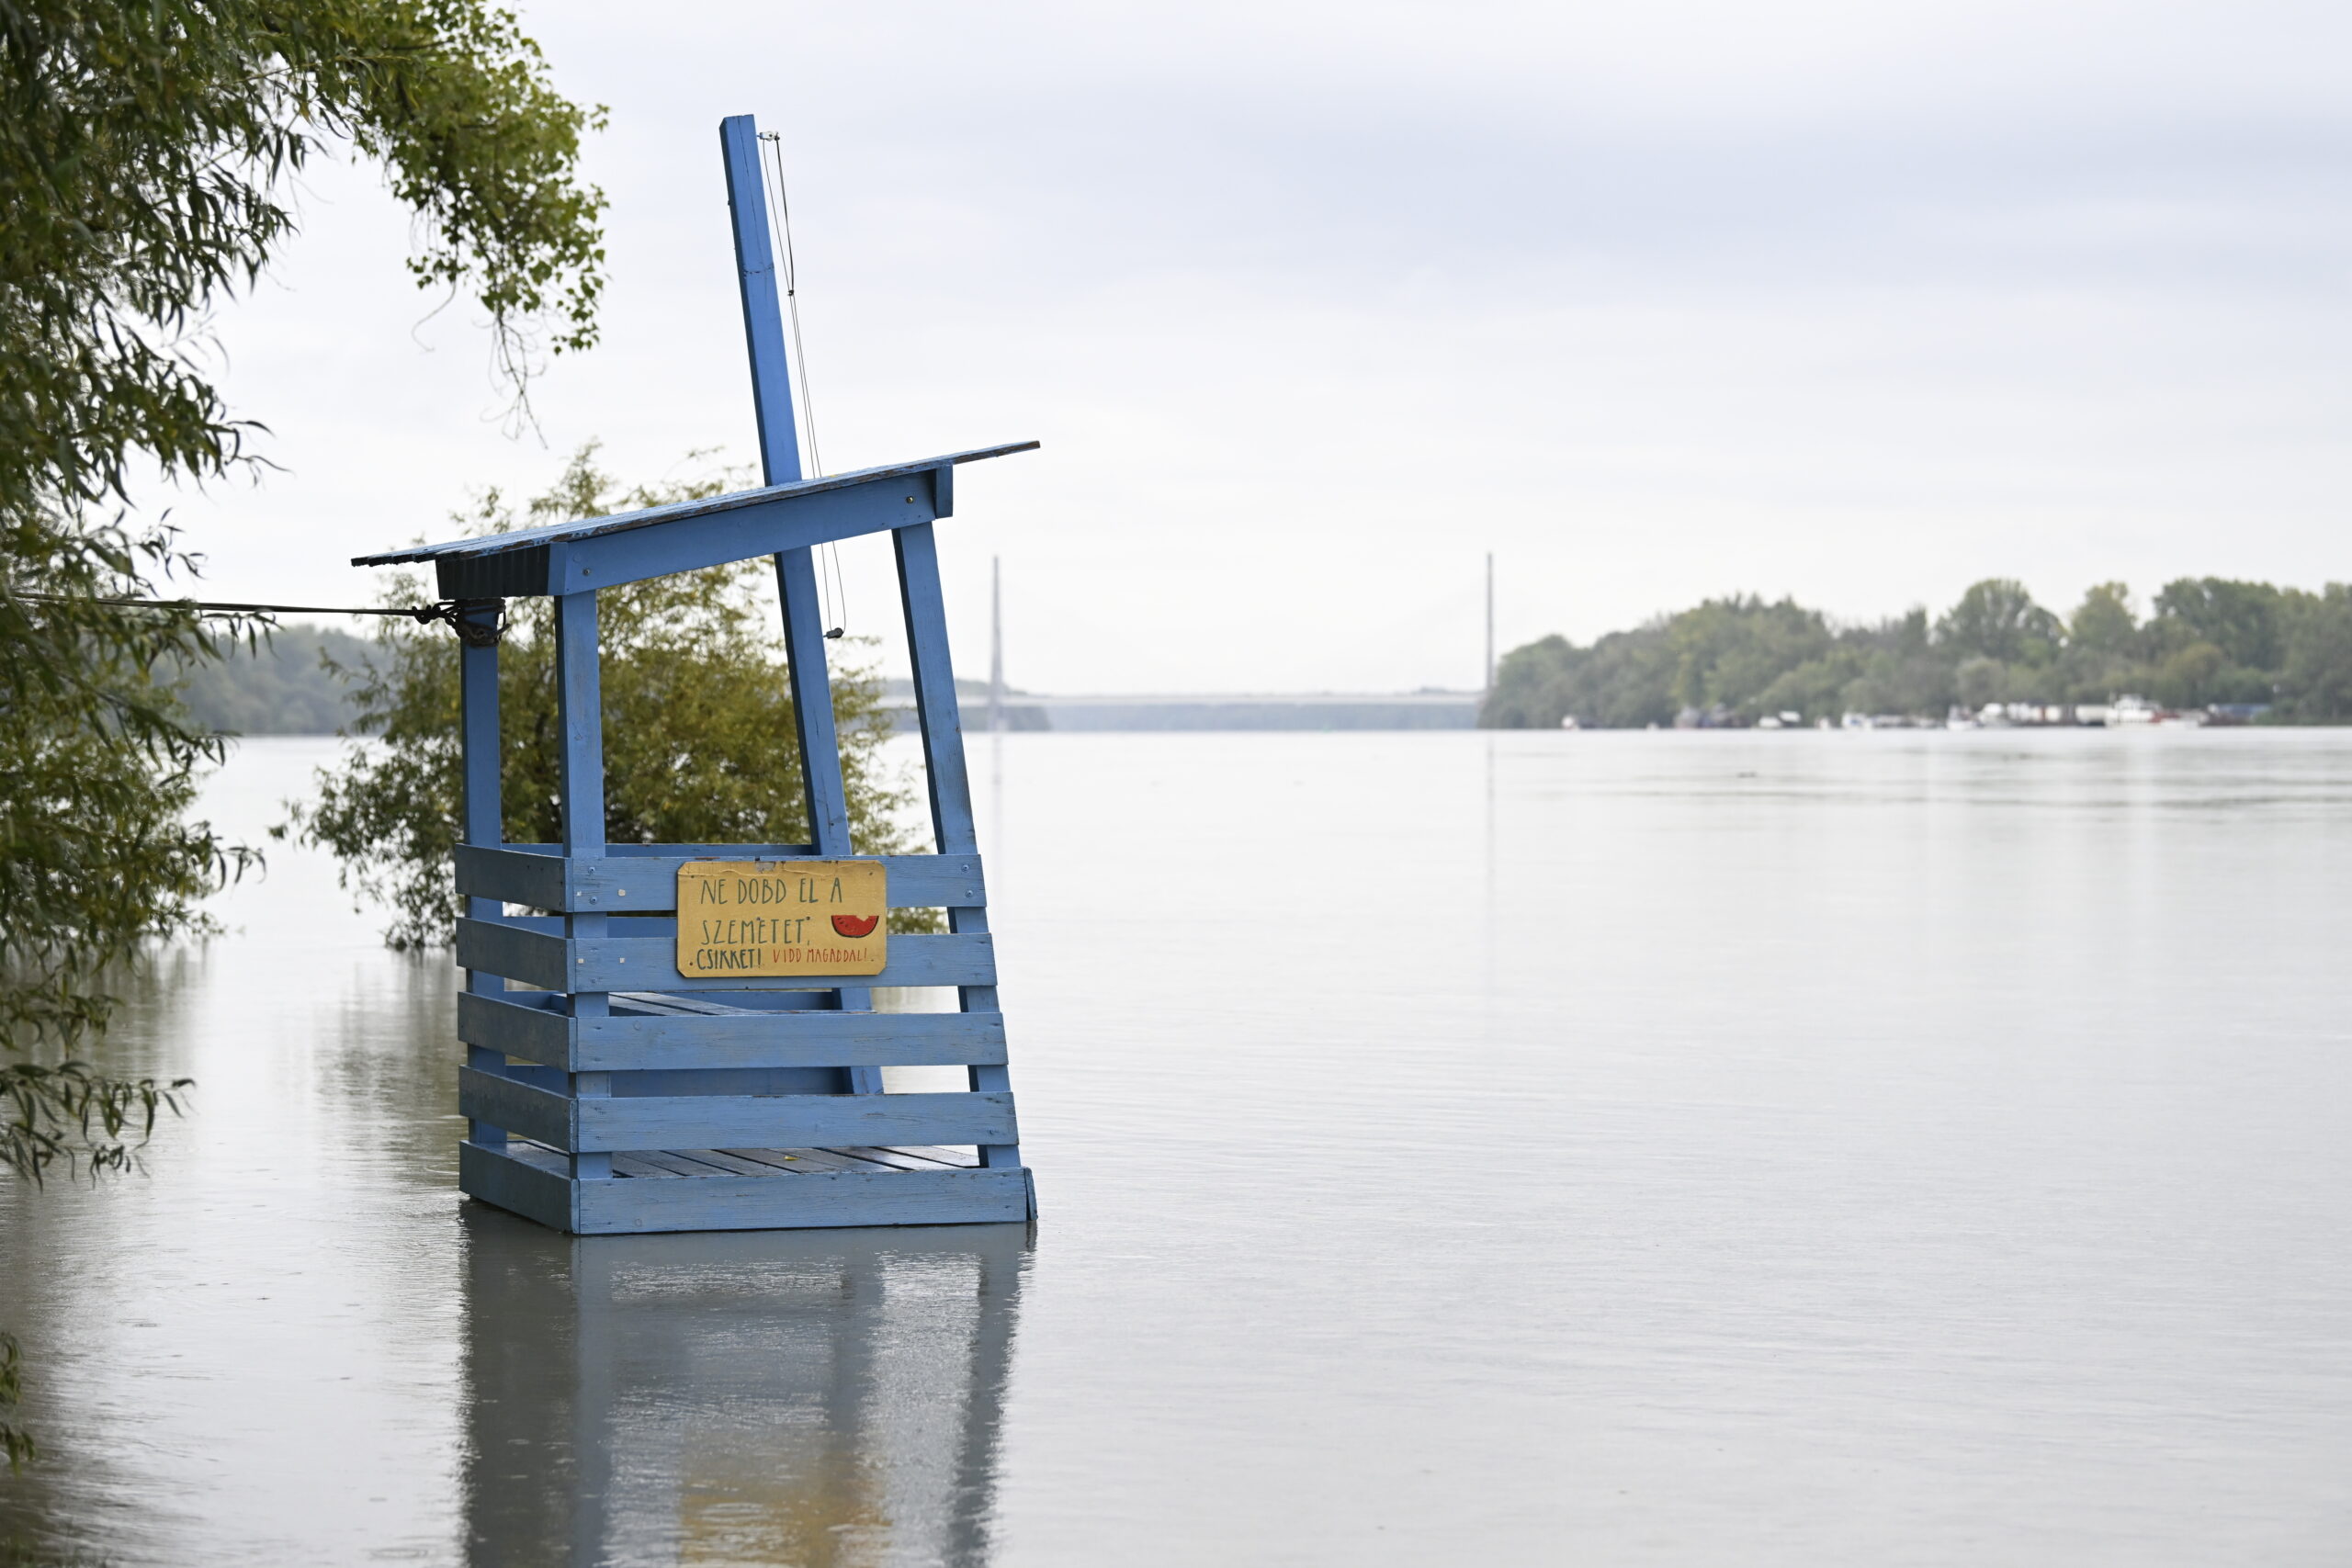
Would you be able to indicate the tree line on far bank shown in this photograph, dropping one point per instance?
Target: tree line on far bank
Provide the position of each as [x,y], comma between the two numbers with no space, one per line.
[287,682]
[2207,641]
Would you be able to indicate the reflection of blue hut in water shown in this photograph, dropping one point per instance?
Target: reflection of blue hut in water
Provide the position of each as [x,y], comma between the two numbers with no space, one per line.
[628,1070]
[827,1397]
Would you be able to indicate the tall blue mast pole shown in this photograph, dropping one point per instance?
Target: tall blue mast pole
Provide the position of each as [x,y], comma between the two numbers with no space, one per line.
[796,570]
[739,135]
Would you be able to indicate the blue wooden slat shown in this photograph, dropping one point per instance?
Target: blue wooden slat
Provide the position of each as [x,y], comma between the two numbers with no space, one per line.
[617,963]
[644,1081]
[598,965]
[495,1028]
[915,473]
[522,1107]
[556,925]
[675,851]
[800,1039]
[759,522]
[554,1081]
[916,882]
[792,1121]
[609,560]
[715,1002]
[620,1122]
[500,947]
[489,877]
[527,1180]
[818,1199]
[617,927]
[617,884]
[522,1180]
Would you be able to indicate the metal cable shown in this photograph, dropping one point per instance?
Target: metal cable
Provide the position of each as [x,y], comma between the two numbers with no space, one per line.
[831,583]
[436,612]
[446,610]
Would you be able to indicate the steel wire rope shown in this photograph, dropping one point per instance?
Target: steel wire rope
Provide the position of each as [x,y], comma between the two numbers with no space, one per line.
[450,610]
[831,583]
[433,611]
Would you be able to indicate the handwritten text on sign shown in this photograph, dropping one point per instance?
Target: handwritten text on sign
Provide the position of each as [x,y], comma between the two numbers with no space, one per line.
[804,917]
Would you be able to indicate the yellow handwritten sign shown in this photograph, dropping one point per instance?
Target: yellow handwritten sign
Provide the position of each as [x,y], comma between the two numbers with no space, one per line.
[769,917]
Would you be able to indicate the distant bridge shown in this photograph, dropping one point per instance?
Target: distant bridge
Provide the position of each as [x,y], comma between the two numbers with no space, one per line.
[1317,710]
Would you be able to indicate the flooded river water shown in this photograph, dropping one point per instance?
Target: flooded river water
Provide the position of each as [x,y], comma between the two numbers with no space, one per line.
[1525,1148]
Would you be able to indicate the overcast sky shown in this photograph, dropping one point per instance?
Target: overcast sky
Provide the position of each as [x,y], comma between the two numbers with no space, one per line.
[1313,305]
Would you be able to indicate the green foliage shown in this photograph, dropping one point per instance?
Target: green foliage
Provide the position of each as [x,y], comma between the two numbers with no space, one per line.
[96,773]
[68,1112]
[1623,681]
[146,154]
[2241,621]
[1998,620]
[2104,623]
[15,1443]
[1727,661]
[699,730]
[97,856]
[1727,650]
[145,151]
[2315,687]
[2211,641]
[27,1554]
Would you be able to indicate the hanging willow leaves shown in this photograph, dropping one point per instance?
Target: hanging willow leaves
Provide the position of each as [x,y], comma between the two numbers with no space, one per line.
[147,155]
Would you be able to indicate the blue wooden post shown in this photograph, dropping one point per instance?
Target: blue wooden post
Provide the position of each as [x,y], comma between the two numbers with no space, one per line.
[796,570]
[479,743]
[739,142]
[941,718]
[612,1085]
[580,735]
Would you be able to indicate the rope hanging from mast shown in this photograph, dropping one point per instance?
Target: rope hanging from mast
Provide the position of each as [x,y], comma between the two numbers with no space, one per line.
[831,583]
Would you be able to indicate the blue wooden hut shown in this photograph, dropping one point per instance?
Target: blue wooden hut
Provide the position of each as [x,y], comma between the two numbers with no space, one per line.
[627,1071]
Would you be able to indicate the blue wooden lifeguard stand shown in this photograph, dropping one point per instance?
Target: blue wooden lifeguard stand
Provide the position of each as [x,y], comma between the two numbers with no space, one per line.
[606,1090]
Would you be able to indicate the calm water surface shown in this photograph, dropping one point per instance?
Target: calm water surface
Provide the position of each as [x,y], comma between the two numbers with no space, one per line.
[1524,1148]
